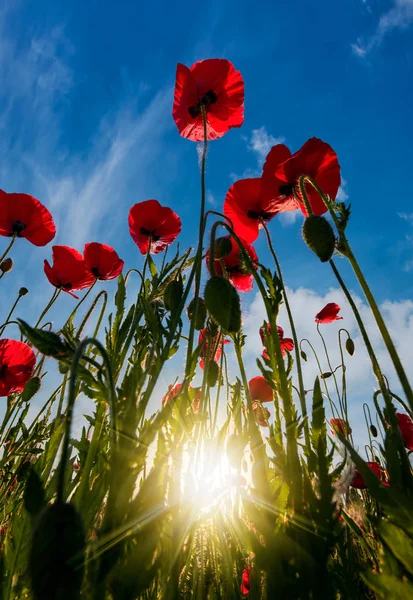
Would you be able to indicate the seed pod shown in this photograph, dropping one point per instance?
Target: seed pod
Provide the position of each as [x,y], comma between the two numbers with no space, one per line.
[6,265]
[57,554]
[350,346]
[319,237]
[326,375]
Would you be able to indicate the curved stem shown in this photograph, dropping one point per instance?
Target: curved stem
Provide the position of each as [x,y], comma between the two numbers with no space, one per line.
[49,305]
[72,314]
[331,368]
[6,322]
[9,247]
[70,404]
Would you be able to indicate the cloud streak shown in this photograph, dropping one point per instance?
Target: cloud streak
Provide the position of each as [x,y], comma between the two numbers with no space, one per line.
[399,17]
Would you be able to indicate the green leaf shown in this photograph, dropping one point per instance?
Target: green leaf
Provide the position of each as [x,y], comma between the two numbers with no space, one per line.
[34,497]
[48,343]
[399,543]
[31,388]
[388,586]
[152,266]
[223,304]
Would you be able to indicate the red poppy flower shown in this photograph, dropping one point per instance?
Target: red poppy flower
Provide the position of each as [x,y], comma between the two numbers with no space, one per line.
[281,172]
[26,217]
[102,261]
[260,389]
[358,481]
[340,426]
[17,362]
[173,391]
[246,581]
[69,271]
[286,344]
[215,85]
[328,314]
[211,348]
[233,264]
[406,429]
[153,225]
[247,206]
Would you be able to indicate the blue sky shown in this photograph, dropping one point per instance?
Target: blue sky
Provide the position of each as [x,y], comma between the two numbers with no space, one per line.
[85,126]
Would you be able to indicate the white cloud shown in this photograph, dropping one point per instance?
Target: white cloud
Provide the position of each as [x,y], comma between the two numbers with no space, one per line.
[261,143]
[399,17]
[305,304]
[342,195]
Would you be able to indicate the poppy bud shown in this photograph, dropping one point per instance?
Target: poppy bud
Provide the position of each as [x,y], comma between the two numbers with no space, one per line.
[319,237]
[223,304]
[57,554]
[201,314]
[223,247]
[23,291]
[213,373]
[373,430]
[350,346]
[6,265]
[326,375]
[303,355]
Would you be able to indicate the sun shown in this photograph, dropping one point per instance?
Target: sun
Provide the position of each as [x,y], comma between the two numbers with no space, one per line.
[208,482]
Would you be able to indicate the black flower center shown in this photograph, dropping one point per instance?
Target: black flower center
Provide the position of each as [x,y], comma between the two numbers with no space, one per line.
[66,286]
[95,271]
[209,98]
[258,215]
[3,370]
[17,227]
[286,190]
[151,234]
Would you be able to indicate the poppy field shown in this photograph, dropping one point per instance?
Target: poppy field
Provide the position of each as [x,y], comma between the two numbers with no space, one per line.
[222,487]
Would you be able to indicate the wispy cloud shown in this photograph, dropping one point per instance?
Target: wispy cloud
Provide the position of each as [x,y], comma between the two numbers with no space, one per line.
[399,17]
[261,143]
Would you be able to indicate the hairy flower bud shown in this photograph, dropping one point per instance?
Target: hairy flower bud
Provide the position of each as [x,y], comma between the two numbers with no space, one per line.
[23,291]
[319,237]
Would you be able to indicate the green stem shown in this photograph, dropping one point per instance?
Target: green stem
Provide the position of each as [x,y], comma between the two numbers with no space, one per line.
[346,251]
[49,305]
[295,338]
[70,404]
[331,369]
[198,259]
[3,327]
[381,325]
[373,358]
[72,314]
[9,247]
[91,455]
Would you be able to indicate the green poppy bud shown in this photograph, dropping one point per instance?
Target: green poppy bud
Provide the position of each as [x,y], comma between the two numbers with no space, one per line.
[319,237]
